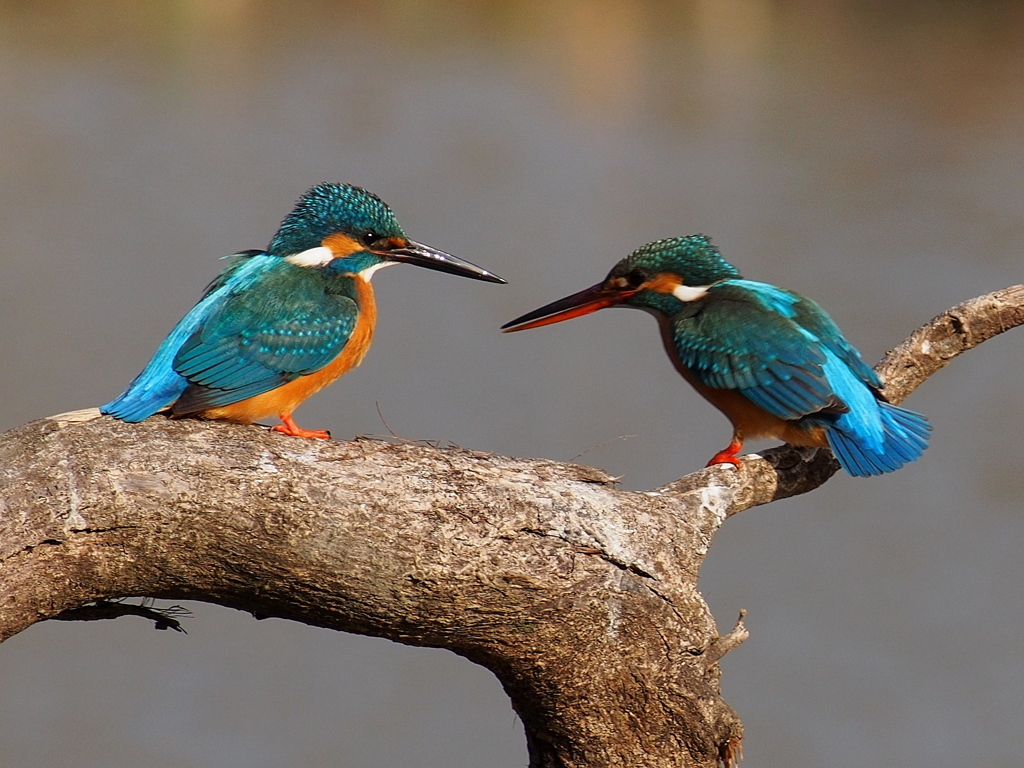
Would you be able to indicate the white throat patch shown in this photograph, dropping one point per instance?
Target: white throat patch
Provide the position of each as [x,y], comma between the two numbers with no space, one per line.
[690,292]
[320,256]
[367,273]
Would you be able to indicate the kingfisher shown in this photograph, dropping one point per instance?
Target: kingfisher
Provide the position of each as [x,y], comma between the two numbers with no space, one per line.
[771,360]
[279,325]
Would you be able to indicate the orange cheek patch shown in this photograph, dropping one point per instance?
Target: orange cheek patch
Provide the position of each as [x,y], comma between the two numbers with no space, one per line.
[342,245]
[663,282]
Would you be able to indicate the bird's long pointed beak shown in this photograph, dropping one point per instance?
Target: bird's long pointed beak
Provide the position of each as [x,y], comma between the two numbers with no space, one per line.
[431,258]
[583,303]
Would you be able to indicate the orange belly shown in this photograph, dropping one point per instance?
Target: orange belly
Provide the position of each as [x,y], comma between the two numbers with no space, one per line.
[751,421]
[286,398]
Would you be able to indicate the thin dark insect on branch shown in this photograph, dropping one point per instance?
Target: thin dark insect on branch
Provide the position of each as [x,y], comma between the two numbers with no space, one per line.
[100,610]
[406,440]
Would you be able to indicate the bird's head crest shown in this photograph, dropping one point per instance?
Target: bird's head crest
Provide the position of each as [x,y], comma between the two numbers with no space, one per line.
[329,209]
[694,259]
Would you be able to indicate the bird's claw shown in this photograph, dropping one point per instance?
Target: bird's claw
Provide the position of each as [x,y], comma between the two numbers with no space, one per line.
[289,427]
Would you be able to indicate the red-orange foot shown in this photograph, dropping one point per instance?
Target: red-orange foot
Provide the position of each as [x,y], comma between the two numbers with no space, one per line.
[289,427]
[728,456]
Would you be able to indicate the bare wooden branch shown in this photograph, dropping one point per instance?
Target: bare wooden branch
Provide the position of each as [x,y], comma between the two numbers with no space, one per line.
[722,645]
[580,597]
[933,345]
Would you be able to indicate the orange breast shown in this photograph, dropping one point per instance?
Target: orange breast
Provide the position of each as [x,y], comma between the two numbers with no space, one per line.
[287,397]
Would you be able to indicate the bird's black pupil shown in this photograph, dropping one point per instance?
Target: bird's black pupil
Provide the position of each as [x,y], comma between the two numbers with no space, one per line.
[636,278]
[370,238]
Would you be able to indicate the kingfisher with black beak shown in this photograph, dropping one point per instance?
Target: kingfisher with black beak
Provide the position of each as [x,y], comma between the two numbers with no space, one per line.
[771,360]
[281,324]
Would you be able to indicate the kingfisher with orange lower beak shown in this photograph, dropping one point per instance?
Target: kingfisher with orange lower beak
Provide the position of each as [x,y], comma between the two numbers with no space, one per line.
[281,324]
[771,360]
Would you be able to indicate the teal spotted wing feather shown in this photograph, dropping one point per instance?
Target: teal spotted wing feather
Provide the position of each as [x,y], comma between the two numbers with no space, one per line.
[811,317]
[257,341]
[745,336]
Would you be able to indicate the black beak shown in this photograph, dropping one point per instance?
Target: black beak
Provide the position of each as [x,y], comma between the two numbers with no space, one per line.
[431,258]
[583,303]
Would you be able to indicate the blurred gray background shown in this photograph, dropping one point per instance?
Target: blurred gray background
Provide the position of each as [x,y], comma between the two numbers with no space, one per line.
[868,154]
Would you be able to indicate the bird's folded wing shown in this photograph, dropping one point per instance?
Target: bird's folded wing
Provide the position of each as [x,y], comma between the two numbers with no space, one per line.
[756,340]
[254,343]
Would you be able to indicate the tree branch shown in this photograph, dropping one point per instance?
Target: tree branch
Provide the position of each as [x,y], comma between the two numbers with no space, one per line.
[580,597]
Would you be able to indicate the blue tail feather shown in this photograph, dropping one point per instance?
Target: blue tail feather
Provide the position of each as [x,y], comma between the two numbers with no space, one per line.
[159,385]
[873,437]
[904,437]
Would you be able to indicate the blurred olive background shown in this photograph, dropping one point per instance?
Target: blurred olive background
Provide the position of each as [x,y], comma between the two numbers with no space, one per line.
[868,154]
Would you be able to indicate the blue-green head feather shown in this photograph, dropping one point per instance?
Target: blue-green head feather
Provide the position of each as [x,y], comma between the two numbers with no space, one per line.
[327,209]
[692,258]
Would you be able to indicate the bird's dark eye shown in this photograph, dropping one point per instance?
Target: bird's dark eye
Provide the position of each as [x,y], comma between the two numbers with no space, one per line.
[369,238]
[636,278]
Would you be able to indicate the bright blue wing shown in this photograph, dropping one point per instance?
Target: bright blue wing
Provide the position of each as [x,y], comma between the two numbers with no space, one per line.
[257,340]
[811,317]
[159,385]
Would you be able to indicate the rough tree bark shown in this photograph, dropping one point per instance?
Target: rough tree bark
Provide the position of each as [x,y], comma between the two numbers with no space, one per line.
[581,598]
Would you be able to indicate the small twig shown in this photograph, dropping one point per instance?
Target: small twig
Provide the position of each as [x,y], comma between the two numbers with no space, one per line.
[722,645]
[599,445]
[385,421]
